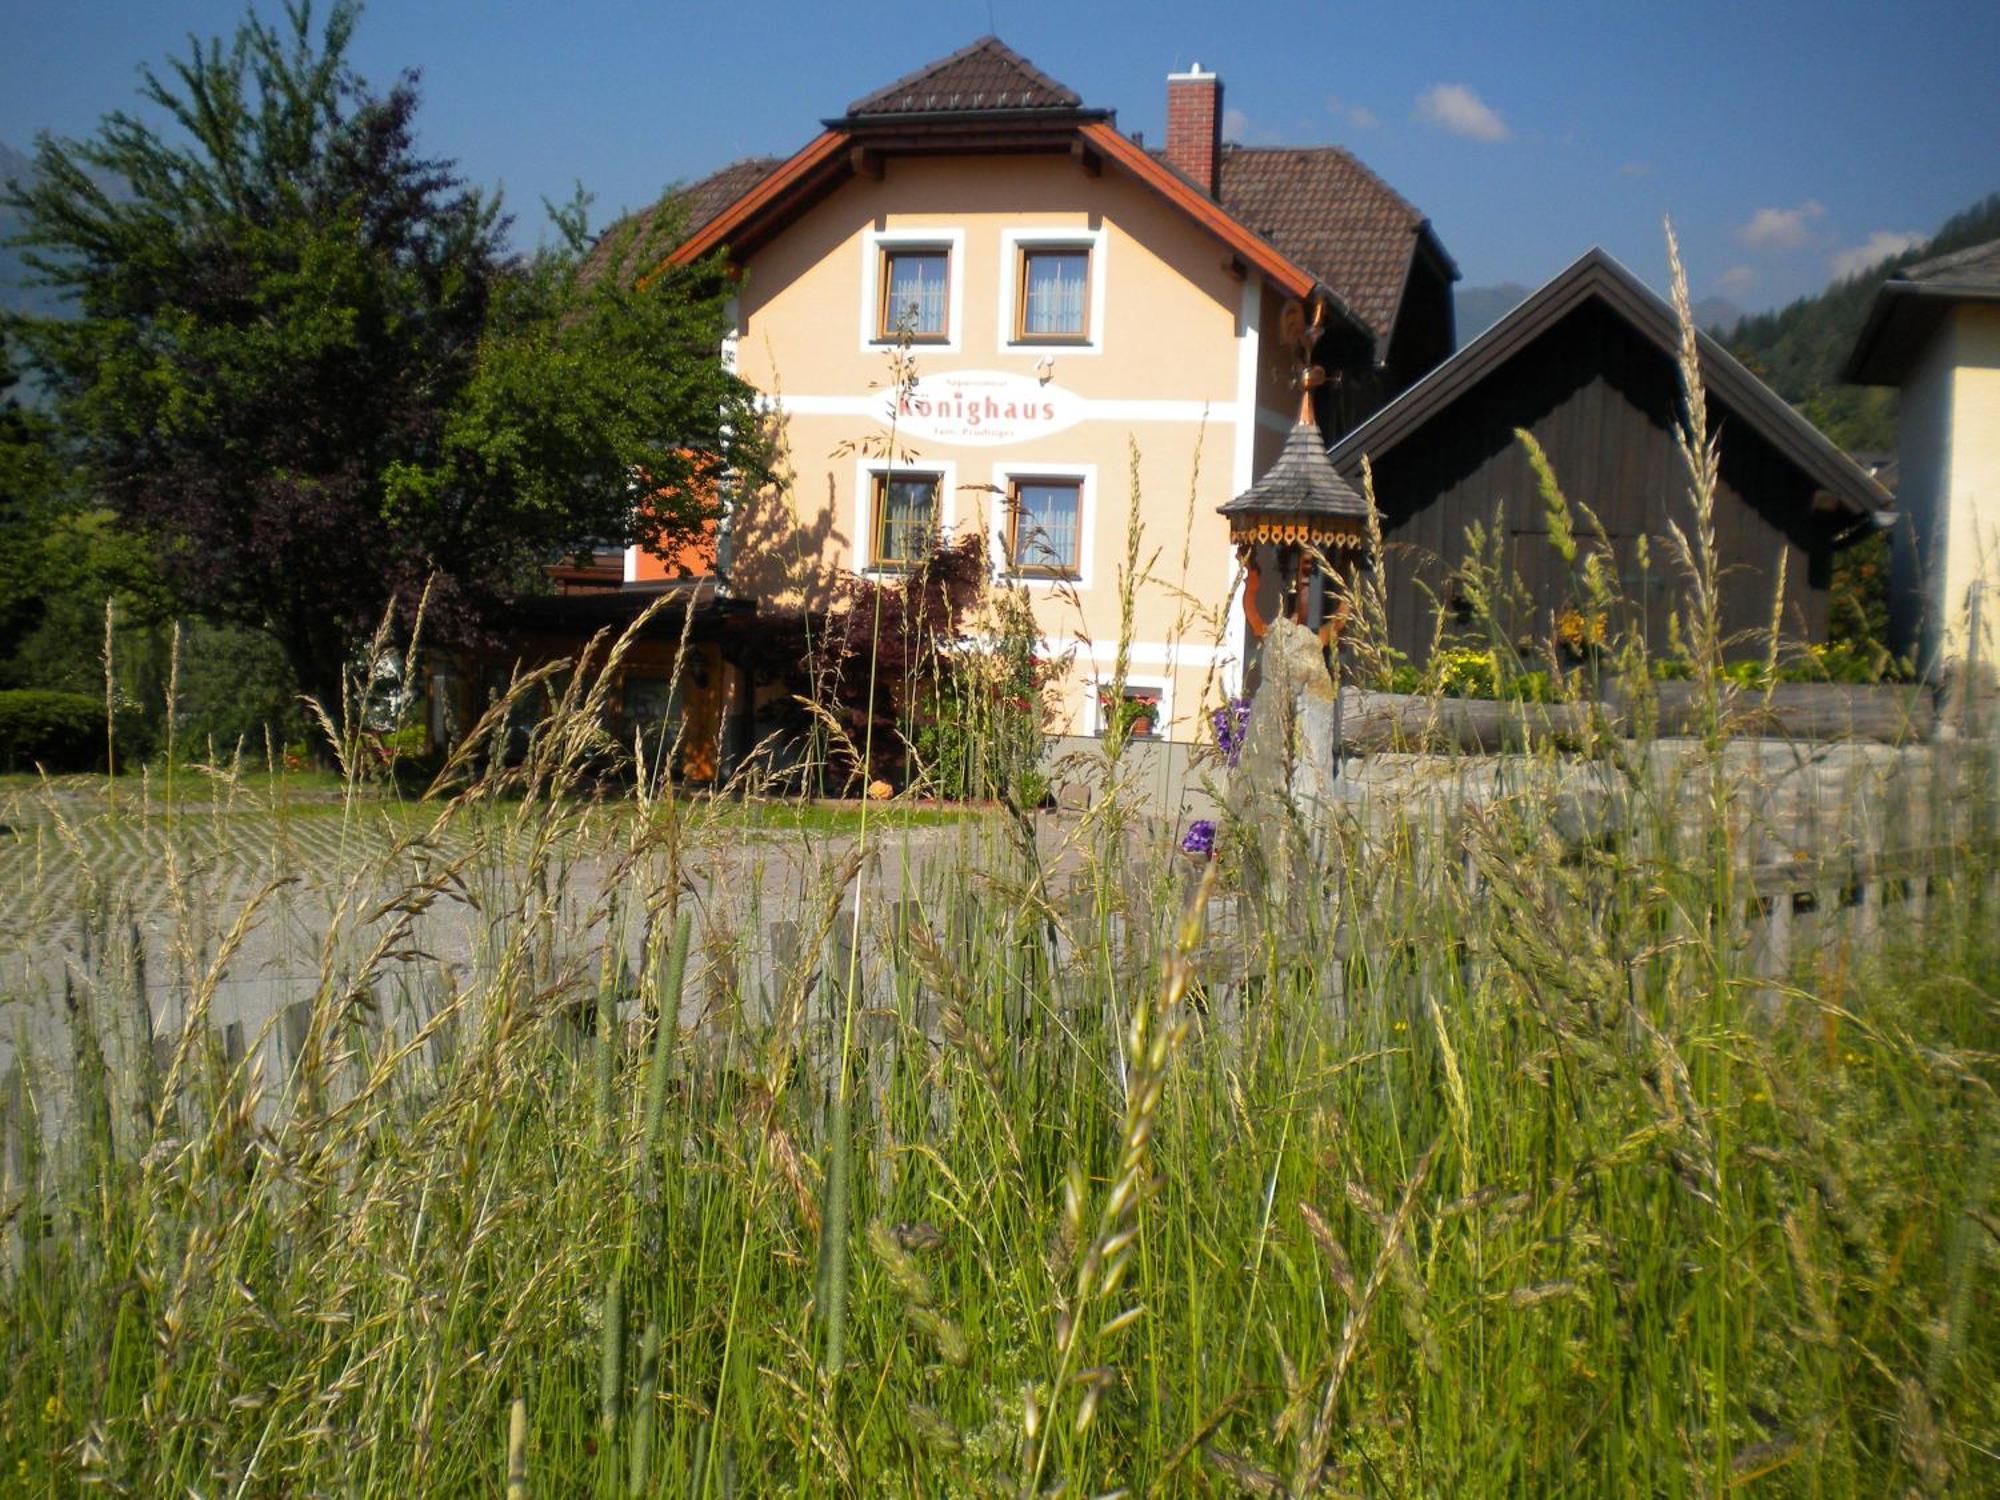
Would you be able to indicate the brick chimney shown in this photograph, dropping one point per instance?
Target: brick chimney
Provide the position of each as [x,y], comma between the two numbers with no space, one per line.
[1194,126]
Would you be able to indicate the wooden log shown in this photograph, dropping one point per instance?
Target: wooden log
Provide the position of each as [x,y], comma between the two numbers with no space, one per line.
[1405,721]
[1887,714]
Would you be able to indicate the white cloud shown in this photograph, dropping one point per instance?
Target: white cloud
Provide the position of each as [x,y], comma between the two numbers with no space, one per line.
[1871,252]
[1360,116]
[1782,230]
[1456,108]
[1737,280]
[1235,125]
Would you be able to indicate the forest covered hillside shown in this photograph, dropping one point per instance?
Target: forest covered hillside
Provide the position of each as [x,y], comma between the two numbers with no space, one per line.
[1799,349]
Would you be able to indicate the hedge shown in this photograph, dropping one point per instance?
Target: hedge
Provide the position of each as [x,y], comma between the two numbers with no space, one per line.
[56,731]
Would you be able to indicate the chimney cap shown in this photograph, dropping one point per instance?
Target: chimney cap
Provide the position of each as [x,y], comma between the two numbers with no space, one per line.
[1193,73]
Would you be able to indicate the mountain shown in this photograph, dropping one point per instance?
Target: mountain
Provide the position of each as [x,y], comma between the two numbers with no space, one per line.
[1478,308]
[1717,315]
[1799,349]
[16,294]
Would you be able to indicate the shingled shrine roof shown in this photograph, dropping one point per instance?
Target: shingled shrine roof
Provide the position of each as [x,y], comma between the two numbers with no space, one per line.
[1302,483]
[987,75]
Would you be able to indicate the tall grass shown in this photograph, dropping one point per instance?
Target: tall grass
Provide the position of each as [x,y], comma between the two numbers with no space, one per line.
[953,1160]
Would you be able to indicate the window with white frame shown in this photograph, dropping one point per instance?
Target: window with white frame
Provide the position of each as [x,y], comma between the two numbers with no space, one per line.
[1040,523]
[1052,289]
[912,284]
[1136,711]
[915,282]
[1045,525]
[1053,293]
[906,518]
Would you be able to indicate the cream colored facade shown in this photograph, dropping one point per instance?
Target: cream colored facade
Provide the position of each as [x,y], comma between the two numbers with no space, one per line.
[1172,404]
[1948,542]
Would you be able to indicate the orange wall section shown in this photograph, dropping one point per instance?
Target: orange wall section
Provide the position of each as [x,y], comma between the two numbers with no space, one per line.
[692,559]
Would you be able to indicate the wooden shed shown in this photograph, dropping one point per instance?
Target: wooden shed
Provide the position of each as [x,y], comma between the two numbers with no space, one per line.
[1587,365]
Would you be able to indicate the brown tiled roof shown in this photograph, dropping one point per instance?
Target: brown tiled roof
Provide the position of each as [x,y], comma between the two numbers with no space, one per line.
[626,244]
[988,75]
[1335,218]
[1322,209]
[1977,266]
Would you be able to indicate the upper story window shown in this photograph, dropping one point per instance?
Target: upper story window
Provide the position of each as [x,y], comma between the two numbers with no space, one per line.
[906,518]
[1045,527]
[1052,279]
[916,293]
[1052,297]
[912,286]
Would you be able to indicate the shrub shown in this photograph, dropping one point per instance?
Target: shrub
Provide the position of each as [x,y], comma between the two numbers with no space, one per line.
[56,731]
[235,687]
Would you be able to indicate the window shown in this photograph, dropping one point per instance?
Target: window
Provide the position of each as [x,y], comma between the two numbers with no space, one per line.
[906,516]
[916,294]
[1136,715]
[1052,296]
[1044,526]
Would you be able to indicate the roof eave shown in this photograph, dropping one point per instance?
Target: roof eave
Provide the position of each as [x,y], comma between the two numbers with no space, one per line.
[1900,318]
[1254,249]
[1427,237]
[1596,273]
[1054,115]
[816,155]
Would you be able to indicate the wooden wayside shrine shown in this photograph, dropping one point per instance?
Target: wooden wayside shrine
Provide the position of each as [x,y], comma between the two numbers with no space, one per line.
[1300,515]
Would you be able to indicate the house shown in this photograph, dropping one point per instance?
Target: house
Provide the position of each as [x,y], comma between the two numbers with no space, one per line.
[1587,364]
[1934,330]
[974,305]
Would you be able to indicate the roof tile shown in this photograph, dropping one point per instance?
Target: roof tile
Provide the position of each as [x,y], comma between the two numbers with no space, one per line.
[626,248]
[988,75]
[1978,265]
[1318,205]
[1333,216]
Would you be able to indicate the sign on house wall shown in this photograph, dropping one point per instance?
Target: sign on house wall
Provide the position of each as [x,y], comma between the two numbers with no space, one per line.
[985,406]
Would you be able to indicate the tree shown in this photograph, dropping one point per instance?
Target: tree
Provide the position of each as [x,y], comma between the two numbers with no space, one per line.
[31,479]
[61,559]
[303,363]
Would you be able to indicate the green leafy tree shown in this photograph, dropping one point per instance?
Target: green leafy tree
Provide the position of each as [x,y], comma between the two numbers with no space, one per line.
[303,363]
[30,480]
[61,560]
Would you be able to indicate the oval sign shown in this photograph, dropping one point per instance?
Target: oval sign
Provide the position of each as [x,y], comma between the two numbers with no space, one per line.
[985,406]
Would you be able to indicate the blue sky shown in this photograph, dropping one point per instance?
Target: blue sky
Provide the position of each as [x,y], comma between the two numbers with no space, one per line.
[1781,137]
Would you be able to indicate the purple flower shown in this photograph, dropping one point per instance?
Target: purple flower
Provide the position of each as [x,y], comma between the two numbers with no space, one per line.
[1232,723]
[1199,840]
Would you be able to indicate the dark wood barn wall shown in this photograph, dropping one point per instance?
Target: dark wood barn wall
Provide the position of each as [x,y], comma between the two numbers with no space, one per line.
[1602,400]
